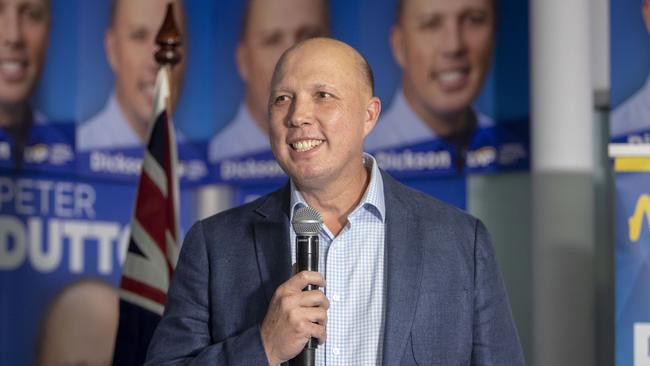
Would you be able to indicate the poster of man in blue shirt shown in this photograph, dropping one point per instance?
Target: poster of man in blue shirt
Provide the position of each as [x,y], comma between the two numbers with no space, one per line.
[444,51]
[25,140]
[630,119]
[434,124]
[130,44]
[268,28]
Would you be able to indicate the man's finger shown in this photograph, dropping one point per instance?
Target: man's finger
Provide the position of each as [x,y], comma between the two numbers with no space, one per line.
[314,298]
[318,331]
[316,315]
[301,279]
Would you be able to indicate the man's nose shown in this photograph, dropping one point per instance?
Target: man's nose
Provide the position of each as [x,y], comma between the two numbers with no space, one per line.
[11,32]
[301,112]
[453,38]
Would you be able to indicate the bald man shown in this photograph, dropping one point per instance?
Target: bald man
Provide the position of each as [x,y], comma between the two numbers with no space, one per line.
[444,48]
[405,279]
[269,27]
[24,29]
[130,46]
[80,326]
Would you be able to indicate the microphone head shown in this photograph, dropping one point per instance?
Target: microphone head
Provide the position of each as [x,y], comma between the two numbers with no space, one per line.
[307,221]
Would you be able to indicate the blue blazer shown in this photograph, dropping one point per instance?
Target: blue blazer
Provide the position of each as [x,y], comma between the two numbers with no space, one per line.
[446,303]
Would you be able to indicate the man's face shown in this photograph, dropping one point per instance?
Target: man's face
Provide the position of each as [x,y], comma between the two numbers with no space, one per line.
[444,49]
[272,27]
[23,38]
[320,111]
[130,45]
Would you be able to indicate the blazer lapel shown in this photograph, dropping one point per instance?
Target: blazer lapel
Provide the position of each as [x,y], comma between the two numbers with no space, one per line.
[403,273]
[271,237]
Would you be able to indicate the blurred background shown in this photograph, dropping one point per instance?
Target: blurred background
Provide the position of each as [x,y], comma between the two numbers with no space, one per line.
[538,90]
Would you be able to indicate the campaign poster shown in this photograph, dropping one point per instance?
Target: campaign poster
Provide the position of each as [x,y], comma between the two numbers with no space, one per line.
[632,260]
[115,81]
[458,106]
[80,82]
[629,69]
[630,123]
[63,227]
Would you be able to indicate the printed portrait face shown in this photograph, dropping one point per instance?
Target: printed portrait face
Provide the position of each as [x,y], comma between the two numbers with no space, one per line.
[130,46]
[24,26]
[272,26]
[444,48]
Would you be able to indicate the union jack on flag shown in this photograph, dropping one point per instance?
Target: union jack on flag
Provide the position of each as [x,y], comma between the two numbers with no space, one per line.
[153,246]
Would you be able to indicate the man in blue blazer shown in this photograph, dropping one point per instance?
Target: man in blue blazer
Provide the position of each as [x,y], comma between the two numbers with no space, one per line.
[421,276]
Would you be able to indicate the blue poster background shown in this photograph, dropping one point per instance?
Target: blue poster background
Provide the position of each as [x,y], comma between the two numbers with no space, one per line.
[629,71]
[77,80]
[29,204]
[630,56]
[632,260]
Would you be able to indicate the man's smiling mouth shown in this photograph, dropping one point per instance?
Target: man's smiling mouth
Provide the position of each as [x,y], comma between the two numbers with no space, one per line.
[306,145]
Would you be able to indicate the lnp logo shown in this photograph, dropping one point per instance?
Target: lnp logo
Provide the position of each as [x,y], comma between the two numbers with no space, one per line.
[635,222]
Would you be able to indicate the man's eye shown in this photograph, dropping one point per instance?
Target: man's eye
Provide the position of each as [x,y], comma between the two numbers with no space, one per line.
[476,17]
[34,13]
[281,99]
[139,34]
[324,95]
[272,39]
[430,23]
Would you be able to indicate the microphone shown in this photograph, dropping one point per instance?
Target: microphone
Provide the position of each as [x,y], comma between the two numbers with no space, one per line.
[307,223]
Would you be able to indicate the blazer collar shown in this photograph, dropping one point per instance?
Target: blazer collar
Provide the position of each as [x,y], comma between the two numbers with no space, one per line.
[271,237]
[403,271]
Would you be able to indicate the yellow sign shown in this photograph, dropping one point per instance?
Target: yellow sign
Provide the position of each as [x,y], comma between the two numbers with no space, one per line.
[635,222]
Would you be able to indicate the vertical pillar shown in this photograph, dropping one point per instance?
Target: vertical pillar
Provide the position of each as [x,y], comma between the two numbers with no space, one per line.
[562,183]
[212,199]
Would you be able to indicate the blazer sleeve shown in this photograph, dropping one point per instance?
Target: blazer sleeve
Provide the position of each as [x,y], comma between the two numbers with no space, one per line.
[495,340]
[183,334]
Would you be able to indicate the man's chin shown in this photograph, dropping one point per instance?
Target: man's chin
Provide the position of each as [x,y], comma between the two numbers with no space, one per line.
[13,96]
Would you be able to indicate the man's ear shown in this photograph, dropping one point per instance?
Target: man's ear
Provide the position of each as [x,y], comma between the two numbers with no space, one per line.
[111,50]
[373,109]
[397,45]
[241,61]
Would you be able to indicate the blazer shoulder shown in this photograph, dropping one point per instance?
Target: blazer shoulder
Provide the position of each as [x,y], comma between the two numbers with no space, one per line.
[423,205]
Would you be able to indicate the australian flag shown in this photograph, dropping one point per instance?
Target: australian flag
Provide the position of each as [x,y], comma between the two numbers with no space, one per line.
[153,246]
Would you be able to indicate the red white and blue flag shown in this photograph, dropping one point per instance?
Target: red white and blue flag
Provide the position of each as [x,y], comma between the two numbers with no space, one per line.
[153,246]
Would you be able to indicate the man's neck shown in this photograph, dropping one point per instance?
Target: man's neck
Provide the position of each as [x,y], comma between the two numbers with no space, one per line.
[14,115]
[447,126]
[336,201]
[137,126]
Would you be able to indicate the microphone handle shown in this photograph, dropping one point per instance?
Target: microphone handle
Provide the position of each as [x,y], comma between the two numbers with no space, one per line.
[307,260]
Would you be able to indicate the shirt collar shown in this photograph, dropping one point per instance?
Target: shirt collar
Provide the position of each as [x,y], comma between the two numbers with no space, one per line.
[373,198]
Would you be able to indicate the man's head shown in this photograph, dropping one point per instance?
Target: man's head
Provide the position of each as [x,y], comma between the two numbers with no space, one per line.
[645,11]
[269,27]
[130,47]
[321,108]
[444,48]
[80,326]
[24,26]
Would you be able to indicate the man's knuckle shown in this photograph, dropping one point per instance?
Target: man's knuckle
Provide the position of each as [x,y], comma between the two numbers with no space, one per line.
[285,303]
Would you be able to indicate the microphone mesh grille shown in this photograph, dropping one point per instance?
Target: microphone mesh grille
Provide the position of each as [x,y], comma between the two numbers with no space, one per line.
[306,221]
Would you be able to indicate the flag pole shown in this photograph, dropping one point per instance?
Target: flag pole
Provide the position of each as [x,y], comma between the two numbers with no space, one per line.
[154,232]
[167,56]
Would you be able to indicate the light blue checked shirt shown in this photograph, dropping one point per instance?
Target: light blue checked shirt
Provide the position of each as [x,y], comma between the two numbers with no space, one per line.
[353,266]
